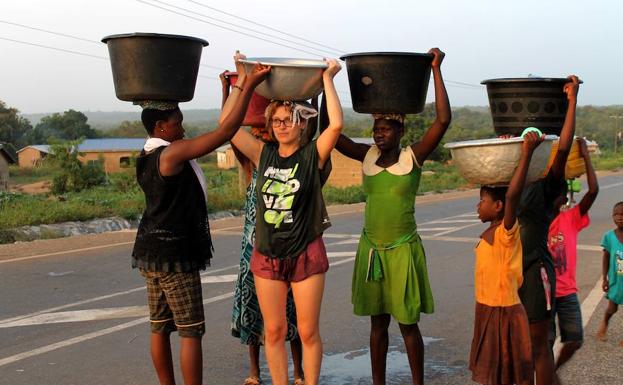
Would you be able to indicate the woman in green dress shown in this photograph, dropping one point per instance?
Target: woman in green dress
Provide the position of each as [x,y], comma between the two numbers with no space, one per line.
[390,276]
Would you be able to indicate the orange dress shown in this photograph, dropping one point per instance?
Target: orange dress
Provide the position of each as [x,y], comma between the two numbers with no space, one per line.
[501,350]
[498,274]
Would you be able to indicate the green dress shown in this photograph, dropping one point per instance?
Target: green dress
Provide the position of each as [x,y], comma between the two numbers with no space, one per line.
[390,274]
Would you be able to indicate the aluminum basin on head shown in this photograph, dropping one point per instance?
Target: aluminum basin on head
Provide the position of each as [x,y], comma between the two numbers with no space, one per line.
[493,161]
[289,79]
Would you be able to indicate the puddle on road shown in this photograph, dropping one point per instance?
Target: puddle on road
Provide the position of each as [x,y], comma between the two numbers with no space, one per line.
[353,367]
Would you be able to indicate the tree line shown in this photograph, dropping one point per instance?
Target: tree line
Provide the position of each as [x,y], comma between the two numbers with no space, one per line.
[597,123]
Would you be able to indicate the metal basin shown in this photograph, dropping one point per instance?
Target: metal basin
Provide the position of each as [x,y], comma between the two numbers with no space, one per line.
[289,79]
[493,161]
[153,66]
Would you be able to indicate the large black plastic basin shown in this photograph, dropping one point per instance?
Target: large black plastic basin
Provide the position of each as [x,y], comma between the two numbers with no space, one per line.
[152,66]
[388,82]
[517,103]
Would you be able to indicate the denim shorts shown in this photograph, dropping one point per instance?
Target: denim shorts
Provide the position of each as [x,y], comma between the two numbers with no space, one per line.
[569,317]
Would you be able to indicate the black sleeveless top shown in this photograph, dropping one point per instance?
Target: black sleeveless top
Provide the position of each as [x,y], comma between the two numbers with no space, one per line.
[174,233]
[290,208]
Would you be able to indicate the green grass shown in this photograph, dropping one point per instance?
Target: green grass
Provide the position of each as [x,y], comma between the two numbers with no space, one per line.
[608,161]
[122,197]
[19,175]
[23,209]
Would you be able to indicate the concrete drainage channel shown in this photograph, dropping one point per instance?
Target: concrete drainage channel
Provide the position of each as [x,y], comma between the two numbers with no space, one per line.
[95,226]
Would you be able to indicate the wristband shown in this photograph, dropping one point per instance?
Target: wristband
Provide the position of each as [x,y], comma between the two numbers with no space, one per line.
[238,87]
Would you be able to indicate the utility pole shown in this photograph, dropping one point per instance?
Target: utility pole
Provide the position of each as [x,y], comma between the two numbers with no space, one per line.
[616,129]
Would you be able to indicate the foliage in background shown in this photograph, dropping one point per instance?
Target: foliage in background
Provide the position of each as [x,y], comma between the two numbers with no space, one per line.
[70,125]
[121,195]
[13,128]
[72,174]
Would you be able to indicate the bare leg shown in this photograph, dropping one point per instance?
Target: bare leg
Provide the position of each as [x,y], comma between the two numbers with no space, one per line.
[308,299]
[542,352]
[191,359]
[379,342]
[567,351]
[254,361]
[603,328]
[272,295]
[415,351]
[297,358]
[161,358]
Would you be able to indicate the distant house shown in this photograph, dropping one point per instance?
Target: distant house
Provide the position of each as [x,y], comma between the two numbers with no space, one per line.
[32,156]
[225,157]
[116,152]
[5,160]
[344,171]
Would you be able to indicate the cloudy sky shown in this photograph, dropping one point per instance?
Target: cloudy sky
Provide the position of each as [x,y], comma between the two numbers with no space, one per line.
[482,39]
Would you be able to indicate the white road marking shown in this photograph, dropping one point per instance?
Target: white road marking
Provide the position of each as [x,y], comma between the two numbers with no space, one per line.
[341,262]
[424,229]
[71,341]
[336,235]
[347,241]
[65,252]
[219,278]
[611,186]
[81,316]
[337,254]
[455,229]
[472,214]
[450,239]
[458,221]
[114,329]
[95,299]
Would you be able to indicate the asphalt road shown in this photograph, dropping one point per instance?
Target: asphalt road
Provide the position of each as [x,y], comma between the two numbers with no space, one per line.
[73,312]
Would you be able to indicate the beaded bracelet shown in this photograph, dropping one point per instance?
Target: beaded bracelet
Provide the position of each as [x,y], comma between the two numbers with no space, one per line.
[238,87]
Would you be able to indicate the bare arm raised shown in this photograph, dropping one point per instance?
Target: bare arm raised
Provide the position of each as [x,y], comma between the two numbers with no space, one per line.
[344,144]
[329,136]
[593,186]
[435,133]
[180,151]
[568,129]
[531,141]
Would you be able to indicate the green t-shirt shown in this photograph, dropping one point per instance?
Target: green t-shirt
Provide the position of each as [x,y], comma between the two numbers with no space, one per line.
[290,208]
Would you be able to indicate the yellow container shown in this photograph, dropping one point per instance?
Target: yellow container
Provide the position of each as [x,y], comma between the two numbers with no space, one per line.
[575,163]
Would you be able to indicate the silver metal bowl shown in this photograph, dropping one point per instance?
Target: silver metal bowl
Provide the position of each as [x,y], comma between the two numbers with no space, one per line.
[289,79]
[493,161]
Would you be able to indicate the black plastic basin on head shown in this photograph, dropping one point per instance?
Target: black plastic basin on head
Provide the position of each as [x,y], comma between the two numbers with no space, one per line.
[517,103]
[388,82]
[152,66]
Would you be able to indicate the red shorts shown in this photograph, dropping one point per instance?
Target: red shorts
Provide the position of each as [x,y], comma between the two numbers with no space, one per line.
[313,260]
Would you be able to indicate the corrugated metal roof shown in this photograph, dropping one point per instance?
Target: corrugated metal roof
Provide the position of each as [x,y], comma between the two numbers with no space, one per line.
[96,145]
[112,144]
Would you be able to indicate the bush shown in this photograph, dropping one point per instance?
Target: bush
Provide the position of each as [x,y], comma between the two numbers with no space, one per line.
[351,194]
[72,174]
[123,182]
